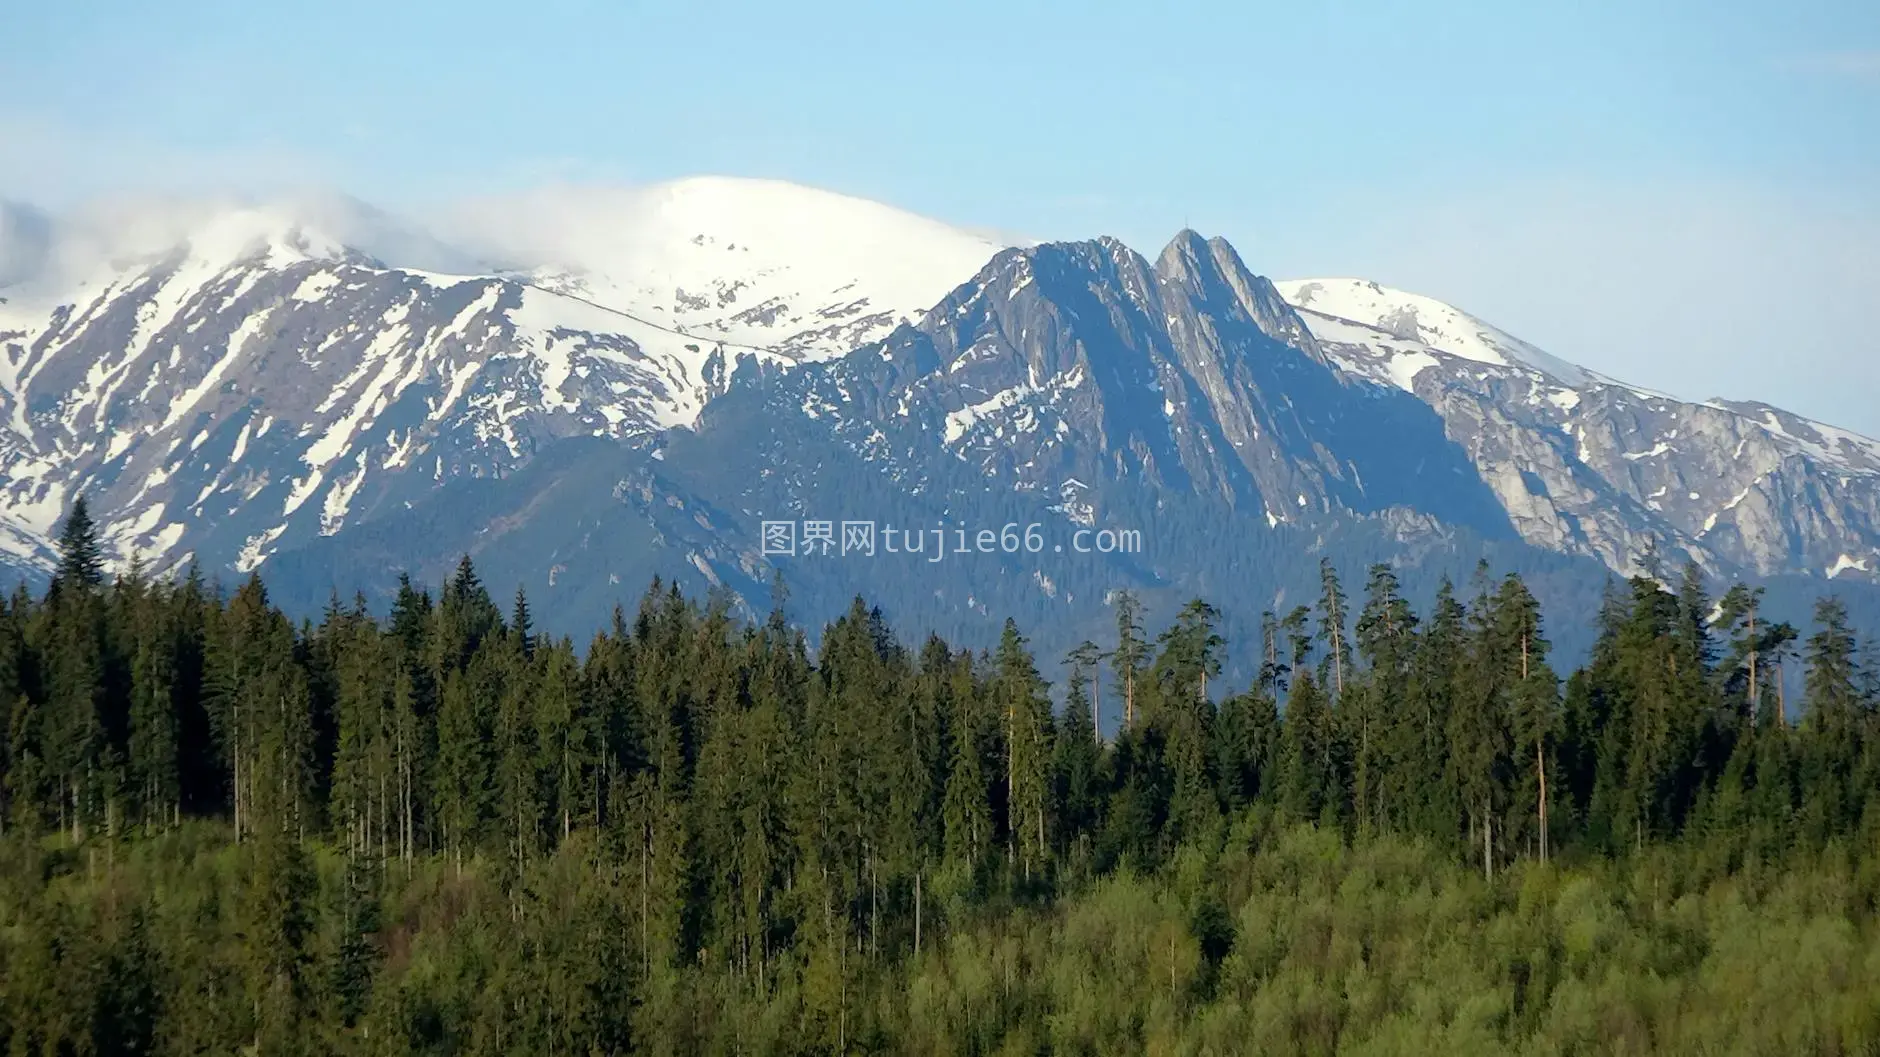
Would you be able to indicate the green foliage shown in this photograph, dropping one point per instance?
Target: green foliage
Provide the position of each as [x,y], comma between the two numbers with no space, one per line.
[441,833]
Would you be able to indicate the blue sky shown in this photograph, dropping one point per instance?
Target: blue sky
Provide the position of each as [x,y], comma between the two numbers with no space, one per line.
[1682,194]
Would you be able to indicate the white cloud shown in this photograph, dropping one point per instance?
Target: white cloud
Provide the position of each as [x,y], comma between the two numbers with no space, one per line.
[1696,289]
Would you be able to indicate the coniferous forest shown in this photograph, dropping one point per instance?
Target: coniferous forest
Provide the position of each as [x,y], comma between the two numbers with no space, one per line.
[438,832]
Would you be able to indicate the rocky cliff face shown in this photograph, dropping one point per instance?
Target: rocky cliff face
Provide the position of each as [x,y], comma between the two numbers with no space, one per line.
[1589,465]
[243,379]
[257,381]
[1064,368]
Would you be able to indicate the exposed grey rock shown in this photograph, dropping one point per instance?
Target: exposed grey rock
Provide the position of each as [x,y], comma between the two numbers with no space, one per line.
[1587,465]
[269,382]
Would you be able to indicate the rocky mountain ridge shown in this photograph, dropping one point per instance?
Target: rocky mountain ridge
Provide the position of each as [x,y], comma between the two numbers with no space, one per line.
[258,379]
[1589,465]
[267,382]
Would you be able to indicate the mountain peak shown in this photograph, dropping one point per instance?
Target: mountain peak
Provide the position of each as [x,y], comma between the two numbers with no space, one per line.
[50,254]
[1427,321]
[1186,241]
[1212,271]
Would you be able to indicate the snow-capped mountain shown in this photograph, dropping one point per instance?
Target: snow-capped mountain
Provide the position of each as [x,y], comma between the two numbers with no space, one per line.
[1065,366]
[226,379]
[321,386]
[1586,464]
[753,265]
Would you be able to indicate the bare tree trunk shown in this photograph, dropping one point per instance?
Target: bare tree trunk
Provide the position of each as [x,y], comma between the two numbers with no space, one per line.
[1041,847]
[1488,835]
[1011,782]
[238,771]
[1755,691]
[1338,663]
[1129,698]
[1540,766]
[646,953]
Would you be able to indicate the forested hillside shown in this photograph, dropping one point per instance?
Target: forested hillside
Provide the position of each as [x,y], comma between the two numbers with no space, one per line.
[438,832]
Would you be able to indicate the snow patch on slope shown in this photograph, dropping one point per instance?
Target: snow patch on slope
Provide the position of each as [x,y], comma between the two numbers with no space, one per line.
[1425,320]
[757,263]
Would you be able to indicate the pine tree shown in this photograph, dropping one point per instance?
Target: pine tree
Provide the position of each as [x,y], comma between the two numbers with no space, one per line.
[154,751]
[1298,639]
[1332,619]
[1078,756]
[1421,740]
[1309,779]
[463,763]
[281,923]
[26,775]
[81,559]
[77,750]
[1028,748]
[1273,667]
[1083,662]
[355,961]
[1128,656]
[967,808]
[1479,749]
[360,783]
[1833,726]
[518,778]
[1386,637]
[564,736]
[466,616]
[1246,741]
[1740,613]
[1185,716]
[521,625]
[1532,701]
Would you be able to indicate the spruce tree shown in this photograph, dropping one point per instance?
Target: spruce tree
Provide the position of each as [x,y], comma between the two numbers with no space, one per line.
[1078,755]
[1130,652]
[521,625]
[967,807]
[564,737]
[1308,793]
[81,559]
[1083,662]
[1386,639]
[1332,620]
[1028,748]
[1185,716]
[1833,724]
[1532,707]
[154,749]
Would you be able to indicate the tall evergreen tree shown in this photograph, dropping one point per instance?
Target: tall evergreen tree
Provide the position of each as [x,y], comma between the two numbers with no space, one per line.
[1131,651]
[1386,638]
[1084,661]
[1028,748]
[81,558]
[154,747]
[1332,620]
[522,624]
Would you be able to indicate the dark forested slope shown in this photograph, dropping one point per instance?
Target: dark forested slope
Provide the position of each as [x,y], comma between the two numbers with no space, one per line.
[442,833]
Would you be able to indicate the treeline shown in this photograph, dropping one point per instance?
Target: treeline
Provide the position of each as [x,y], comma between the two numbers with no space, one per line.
[228,831]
